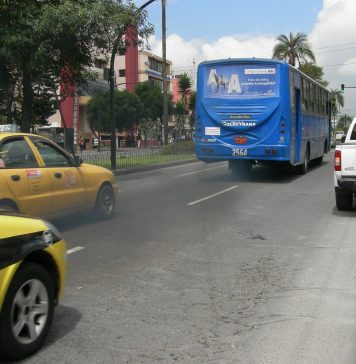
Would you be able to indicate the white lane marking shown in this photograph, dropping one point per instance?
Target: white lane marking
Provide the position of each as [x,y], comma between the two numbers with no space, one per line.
[202,170]
[211,196]
[76,249]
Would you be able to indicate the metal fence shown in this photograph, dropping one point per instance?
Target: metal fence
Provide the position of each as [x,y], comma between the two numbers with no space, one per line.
[134,157]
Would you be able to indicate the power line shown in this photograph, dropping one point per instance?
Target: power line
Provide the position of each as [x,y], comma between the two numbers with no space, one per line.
[336,50]
[338,64]
[338,45]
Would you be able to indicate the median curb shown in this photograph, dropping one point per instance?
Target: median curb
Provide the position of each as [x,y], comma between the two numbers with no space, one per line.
[118,172]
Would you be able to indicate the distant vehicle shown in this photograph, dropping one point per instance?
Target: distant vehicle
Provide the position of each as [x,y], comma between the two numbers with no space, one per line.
[39,178]
[32,275]
[332,142]
[345,170]
[338,135]
[260,111]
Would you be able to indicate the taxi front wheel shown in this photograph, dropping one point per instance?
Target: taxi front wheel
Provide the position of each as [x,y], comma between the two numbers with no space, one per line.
[27,312]
[105,202]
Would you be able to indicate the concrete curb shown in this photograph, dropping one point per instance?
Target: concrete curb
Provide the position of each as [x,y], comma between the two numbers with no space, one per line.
[119,172]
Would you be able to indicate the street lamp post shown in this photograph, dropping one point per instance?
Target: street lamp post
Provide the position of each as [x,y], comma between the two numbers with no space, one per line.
[164,73]
[99,127]
[112,83]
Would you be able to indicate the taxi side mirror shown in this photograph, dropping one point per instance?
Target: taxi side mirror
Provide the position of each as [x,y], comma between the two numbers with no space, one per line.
[77,161]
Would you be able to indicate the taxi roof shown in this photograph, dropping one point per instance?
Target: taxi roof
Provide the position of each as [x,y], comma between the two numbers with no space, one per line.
[4,134]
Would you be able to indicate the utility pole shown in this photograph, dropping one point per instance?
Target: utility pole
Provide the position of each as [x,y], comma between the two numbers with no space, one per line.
[112,114]
[112,92]
[164,73]
[99,127]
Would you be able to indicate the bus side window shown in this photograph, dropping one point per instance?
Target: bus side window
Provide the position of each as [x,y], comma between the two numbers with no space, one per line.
[304,95]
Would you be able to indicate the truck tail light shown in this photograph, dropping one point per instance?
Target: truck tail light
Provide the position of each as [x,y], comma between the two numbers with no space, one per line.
[337,160]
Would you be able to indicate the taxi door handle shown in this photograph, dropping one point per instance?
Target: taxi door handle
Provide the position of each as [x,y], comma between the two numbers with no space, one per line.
[15,177]
[58,175]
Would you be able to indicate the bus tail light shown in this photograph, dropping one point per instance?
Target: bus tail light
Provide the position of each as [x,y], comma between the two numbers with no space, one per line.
[337,160]
[240,140]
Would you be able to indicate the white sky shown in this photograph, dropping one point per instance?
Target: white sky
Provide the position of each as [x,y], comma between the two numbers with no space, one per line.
[333,40]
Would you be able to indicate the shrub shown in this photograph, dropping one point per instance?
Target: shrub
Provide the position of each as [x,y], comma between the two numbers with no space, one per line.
[186,147]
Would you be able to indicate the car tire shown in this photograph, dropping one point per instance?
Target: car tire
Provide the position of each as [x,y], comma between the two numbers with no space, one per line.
[105,202]
[344,199]
[27,312]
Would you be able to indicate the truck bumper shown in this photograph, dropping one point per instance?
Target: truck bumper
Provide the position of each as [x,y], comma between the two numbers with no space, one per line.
[347,184]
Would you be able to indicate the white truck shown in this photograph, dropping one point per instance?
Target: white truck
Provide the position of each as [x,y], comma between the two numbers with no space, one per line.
[345,169]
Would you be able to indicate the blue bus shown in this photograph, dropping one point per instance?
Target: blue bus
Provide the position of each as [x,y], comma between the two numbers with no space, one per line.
[260,111]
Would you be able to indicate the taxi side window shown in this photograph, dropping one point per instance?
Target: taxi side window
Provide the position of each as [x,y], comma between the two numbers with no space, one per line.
[353,134]
[16,153]
[51,156]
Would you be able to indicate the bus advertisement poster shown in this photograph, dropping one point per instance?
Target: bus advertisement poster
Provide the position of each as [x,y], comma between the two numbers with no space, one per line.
[233,81]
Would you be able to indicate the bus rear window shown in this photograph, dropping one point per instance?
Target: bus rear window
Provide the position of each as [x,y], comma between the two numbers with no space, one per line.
[241,81]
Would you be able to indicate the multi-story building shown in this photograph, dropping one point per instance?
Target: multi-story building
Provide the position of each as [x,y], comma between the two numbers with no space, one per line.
[149,68]
[131,68]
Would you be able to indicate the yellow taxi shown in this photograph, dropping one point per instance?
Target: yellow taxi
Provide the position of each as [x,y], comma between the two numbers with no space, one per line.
[39,178]
[32,275]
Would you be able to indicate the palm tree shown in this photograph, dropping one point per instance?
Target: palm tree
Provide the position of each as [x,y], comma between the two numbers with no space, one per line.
[294,49]
[337,102]
[185,85]
[344,123]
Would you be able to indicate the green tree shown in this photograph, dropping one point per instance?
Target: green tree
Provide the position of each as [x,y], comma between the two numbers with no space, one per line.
[344,123]
[151,97]
[293,49]
[56,41]
[184,87]
[313,71]
[180,112]
[192,101]
[337,102]
[128,110]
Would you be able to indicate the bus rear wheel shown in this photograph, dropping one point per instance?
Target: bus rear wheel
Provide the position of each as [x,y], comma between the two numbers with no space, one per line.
[303,168]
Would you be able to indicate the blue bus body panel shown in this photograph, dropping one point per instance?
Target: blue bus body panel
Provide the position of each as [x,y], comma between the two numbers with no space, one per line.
[244,111]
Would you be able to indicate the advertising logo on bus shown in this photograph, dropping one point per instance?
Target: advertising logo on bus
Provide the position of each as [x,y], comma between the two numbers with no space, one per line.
[241,81]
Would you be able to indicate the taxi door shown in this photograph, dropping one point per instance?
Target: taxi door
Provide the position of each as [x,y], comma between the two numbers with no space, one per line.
[23,181]
[67,181]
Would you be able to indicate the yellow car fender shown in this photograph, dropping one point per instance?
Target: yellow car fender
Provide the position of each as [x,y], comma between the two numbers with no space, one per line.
[6,276]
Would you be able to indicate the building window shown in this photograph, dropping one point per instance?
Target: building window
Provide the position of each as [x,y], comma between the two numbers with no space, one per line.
[156,81]
[100,64]
[122,73]
[155,65]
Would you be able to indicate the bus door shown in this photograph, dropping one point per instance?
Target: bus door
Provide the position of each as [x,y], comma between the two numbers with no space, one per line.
[296,128]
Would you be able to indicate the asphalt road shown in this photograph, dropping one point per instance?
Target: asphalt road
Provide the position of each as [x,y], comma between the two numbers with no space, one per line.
[200,267]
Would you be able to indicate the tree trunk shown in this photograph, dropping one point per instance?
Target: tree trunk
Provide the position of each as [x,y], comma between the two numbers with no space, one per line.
[27,99]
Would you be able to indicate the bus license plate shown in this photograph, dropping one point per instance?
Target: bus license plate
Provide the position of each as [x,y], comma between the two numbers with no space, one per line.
[241,152]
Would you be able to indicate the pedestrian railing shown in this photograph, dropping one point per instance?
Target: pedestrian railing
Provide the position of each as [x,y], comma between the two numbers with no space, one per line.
[127,158]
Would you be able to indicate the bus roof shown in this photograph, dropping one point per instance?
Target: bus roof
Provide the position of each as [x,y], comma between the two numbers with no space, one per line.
[243,60]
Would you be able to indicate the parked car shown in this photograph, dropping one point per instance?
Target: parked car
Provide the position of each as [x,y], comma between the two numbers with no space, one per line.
[345,170]
[32,276]
[338,135]
[39,178]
